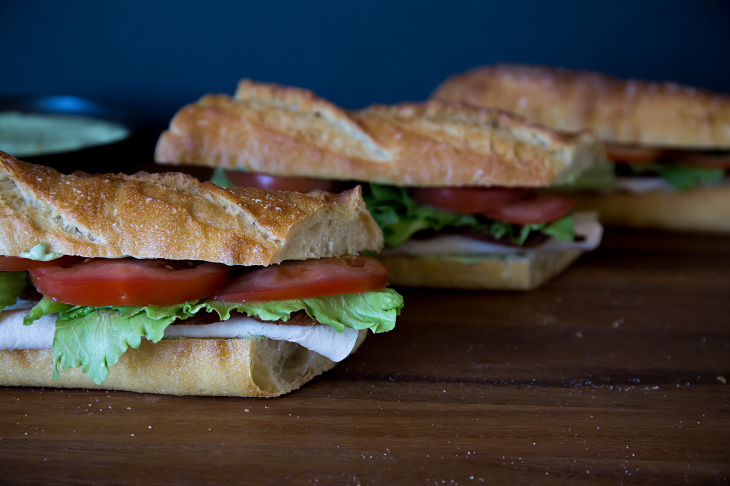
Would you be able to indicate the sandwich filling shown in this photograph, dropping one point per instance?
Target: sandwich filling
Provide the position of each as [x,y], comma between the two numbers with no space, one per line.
[476,221]
[639,170]
[90,311]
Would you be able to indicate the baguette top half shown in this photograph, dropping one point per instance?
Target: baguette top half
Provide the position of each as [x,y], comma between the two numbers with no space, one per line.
[291,132]
[176,217]
[630,111]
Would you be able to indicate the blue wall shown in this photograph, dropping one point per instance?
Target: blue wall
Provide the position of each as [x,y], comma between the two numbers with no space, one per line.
[159,55]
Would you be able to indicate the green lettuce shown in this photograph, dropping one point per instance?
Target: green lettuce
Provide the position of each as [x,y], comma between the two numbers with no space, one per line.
[93,338]
[561,229]
[399,217]
[680,177]
[44,307]
[219,178]
[11,284]
[367,310]
[685,177]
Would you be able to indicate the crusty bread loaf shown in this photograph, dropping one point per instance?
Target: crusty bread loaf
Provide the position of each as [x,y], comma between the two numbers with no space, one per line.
[291,132]
[704,209]
[174,216]
[626,111]
[257,367]
[523,272]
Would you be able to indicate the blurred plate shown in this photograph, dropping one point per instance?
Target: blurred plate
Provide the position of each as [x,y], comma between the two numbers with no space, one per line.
[108,135]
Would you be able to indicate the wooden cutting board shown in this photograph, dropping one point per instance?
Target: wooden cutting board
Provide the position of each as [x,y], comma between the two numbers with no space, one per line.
[615,371]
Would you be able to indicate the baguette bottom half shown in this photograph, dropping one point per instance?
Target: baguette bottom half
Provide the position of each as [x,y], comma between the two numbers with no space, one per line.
[705,209]
[257,367]
[524,272]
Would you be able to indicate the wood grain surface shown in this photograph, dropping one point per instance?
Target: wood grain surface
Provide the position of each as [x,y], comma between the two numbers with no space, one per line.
[614,373]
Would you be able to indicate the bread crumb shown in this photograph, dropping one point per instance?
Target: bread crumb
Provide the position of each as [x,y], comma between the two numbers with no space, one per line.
[579,334]
[721,379]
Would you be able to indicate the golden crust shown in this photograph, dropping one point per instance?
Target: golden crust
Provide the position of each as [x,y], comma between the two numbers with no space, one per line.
[630,111]
[514,273]
[291,132]
[257,367]
[704,209]
[174,216]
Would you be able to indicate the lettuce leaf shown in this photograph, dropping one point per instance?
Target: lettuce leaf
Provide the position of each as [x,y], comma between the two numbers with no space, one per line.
[11,284]
[93,338]
[277,310]
[368,310]
[219,178]
[399,217]
[680,177]
[44,307]
[685,177]
[561,229]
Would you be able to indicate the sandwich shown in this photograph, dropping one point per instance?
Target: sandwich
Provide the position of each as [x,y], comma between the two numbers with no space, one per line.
[159,283]
[456,189]
[669,144]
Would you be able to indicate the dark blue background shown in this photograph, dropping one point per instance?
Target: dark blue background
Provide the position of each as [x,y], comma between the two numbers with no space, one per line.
[159,55]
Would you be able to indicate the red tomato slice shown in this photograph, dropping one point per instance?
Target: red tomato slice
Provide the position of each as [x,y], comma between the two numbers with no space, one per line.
[278,183]
[539,209]
[630,154]
[127,281]
[17,264]
[467,200]
[704,160]
[307,278]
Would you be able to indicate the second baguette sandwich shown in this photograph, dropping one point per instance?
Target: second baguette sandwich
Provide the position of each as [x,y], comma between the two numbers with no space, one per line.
[162,284]
[455,188]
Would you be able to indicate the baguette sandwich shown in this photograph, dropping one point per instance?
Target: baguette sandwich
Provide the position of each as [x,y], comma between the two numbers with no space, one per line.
[158,283]
[455,188]
[670,144]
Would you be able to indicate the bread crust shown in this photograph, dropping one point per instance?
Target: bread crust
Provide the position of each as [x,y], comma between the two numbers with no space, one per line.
[291,132]
[629,111]
[174,216]
[257,367]
[703,209]
[525,272]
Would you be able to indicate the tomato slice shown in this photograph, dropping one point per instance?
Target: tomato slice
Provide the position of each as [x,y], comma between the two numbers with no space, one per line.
[307,278]
[631,154]
[278,183]
[704,160]
[467,200]
[541,208]
[17,264]
[128,281]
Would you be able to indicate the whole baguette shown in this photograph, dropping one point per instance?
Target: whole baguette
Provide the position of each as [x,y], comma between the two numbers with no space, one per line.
[174,216]
[524,272]
[257,367]
[630,111]
[705,209]
[291,132]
